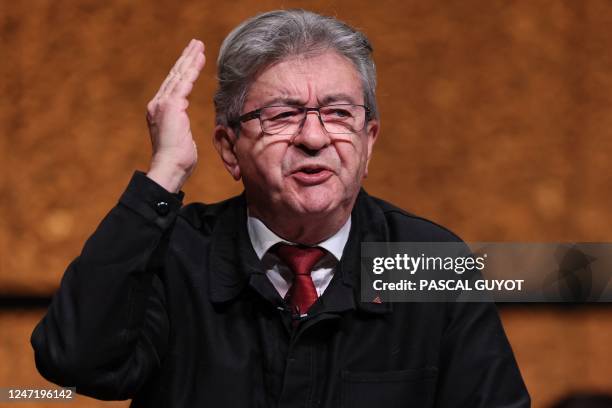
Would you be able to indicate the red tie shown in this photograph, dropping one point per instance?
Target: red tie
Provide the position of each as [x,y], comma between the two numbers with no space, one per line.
[300,260]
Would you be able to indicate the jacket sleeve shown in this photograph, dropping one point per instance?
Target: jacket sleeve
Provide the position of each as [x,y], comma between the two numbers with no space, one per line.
[479,369]
[107,328]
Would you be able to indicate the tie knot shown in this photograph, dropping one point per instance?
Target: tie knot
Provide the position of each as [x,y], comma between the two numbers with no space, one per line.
[300,259]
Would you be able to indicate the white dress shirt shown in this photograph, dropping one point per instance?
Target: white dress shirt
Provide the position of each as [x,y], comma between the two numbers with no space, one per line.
[281,277]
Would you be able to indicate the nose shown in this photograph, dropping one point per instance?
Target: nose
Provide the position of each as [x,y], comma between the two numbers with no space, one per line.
[312,136]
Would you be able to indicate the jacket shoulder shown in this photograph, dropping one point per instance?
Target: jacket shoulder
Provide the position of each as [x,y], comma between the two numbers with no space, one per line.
[405,226]
[205,216]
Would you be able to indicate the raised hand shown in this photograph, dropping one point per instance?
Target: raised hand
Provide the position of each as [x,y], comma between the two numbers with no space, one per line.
[174,150]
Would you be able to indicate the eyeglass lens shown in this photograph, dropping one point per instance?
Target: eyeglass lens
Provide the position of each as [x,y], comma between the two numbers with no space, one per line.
[287,120]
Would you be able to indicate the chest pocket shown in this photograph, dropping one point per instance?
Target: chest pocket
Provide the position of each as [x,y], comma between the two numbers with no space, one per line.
[389,389]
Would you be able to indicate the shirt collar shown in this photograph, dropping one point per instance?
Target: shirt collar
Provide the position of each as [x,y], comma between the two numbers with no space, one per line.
[233,262]
[262,238]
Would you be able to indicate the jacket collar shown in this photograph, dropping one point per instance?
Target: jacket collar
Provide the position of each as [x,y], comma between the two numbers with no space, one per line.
[232,257]
[233,262]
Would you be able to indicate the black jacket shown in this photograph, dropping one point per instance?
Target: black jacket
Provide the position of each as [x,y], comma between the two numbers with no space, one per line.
[169,306]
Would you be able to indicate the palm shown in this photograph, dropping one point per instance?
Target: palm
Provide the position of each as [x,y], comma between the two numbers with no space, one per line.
[172,135]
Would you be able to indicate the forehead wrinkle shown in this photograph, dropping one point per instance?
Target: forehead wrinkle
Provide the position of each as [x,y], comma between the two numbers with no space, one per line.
[279,91]
[338,98]
[293,81]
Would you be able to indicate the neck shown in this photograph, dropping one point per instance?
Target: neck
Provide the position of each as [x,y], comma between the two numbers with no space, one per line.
[303,229]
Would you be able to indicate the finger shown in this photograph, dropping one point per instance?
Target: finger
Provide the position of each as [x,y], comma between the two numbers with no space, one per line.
[191,58]
[182,90]
[173,79]
[174,70]
[186,52]
[192,72]
[195,48]
[170,77]
[183,87]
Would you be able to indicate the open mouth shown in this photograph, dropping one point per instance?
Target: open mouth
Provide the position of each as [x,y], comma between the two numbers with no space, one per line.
[312,175]
[312,170]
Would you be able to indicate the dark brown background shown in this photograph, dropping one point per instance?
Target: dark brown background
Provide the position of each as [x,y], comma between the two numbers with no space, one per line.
[495,122]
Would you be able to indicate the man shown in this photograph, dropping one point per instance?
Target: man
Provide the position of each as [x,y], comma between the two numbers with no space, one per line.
[254,302]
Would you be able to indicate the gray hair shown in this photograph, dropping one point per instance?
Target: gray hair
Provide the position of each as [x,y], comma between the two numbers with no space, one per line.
[276,35]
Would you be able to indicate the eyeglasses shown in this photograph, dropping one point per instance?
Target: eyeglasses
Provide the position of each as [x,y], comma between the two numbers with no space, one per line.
[288,120]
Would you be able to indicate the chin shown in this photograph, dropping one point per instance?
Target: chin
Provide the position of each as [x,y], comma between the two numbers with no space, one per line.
[316,201]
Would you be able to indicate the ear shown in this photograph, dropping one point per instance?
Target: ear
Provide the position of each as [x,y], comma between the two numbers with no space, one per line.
[224,140]
[372,134]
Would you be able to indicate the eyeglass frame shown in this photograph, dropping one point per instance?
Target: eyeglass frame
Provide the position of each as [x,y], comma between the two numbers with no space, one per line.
[256,114]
